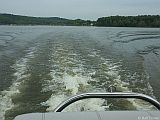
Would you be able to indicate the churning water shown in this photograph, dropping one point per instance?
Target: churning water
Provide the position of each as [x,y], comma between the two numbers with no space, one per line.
[40,66]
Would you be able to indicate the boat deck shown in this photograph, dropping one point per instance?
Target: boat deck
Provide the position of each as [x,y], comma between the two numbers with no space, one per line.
[110,115]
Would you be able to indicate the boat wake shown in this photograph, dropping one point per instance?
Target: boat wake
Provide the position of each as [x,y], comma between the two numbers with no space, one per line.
[19,76]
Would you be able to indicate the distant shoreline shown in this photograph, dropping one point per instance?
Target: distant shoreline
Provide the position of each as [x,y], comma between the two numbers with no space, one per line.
[144,21]
[71,26]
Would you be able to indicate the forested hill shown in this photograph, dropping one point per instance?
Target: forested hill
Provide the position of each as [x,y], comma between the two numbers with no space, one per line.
[129,21]
[112,21]
[10,19]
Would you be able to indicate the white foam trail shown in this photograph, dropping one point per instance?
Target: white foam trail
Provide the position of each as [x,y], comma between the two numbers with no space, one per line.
[53,101]
[73,83]
[75,80]
[82,105]
[6,101]
[88,105]
[141,105]
[21,68]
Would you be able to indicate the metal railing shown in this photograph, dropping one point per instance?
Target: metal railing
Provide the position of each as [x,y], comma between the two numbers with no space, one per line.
[107,95]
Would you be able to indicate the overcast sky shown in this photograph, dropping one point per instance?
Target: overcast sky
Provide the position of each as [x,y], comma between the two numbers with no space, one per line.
[83,9]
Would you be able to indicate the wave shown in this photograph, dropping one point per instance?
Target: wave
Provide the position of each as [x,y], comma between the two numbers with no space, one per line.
[126,37]
[137,39]
[149,49]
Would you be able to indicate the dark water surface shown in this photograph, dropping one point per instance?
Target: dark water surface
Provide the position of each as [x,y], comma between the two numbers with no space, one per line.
[40,66]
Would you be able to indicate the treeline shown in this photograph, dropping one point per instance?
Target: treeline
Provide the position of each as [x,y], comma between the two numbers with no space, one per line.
[112,21]
[10,19]
[129,21]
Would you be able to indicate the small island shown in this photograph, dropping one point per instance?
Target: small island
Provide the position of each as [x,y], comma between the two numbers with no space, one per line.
[111,21]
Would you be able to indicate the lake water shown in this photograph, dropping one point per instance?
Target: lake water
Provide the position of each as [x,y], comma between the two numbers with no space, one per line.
[40,66]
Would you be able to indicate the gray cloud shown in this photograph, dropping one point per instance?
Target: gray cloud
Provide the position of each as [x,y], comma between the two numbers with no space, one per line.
[85,9]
